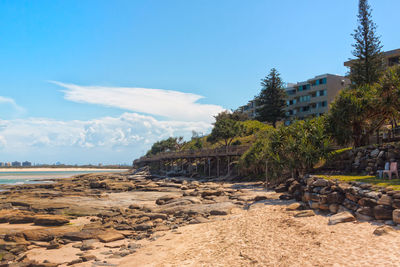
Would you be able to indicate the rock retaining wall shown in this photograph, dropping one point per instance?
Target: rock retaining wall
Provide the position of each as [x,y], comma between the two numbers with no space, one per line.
[365,201]
[365,159]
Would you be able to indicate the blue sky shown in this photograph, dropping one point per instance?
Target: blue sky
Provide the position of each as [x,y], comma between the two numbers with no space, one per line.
[70,69]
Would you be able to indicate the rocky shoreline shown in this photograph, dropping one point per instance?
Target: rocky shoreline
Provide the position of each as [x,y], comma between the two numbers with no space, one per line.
[98,219]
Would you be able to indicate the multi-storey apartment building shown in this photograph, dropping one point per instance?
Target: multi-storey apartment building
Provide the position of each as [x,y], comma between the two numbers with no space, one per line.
[249,109]
[391,58]
[306,99]
[311,98]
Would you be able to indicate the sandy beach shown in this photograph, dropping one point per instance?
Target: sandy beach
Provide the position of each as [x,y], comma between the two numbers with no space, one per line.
[268,235]
[125,219]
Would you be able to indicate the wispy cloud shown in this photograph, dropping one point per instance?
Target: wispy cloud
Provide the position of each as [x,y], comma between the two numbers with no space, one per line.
[10,101]
[170,104]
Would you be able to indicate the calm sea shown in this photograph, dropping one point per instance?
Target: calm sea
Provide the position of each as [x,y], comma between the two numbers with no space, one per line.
[14,178]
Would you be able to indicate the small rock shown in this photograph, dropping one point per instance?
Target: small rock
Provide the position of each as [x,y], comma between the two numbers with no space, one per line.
[110,237]
[219,212]
[374,152]
[53,245]
[383,230]
[144,226]
[285,197]
[75,262]
[294,206]
[281,188]
[88,244]
[88,258]
[320,183]
[260,198]
[341,218]
[198,219]
[305,213]
[135,207]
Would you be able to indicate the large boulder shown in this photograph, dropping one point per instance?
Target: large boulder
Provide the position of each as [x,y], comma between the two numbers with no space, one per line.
[385,200]
[396,203]
[362,217]
[366,211]
[382,212]
[369,202]
[341,217]
[44,235]
[396,216]
[334,197]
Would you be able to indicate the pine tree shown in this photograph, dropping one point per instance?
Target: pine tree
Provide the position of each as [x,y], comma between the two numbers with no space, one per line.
[271,100]
[368,66]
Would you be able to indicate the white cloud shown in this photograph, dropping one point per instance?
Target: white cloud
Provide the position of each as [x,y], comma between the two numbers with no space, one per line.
[108,139]
[10,101]
[170,104]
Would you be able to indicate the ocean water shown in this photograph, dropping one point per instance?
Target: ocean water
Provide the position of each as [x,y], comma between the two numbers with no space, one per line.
[32,177]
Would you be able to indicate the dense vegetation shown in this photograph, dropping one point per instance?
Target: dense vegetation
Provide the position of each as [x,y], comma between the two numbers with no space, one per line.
[369,103]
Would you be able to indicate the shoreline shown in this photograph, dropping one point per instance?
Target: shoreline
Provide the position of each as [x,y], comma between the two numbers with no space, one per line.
[22,170]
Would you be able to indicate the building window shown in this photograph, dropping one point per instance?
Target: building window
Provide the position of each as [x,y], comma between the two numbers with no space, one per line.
[324,104]
[306,108]
[394,60]
[322,93]
[291,92]
[304,98]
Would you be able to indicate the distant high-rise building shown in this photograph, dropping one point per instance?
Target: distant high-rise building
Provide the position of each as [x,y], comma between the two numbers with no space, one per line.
[16,164]
[26,164]
[2,164]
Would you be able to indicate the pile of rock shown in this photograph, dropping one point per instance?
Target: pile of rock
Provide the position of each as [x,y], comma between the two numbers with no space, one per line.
[365,159]
[364,201]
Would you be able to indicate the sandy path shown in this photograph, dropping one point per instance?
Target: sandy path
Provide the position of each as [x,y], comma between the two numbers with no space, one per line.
[268,235]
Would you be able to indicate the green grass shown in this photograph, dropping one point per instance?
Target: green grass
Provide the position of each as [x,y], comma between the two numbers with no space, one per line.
[392,184]
[338,151]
